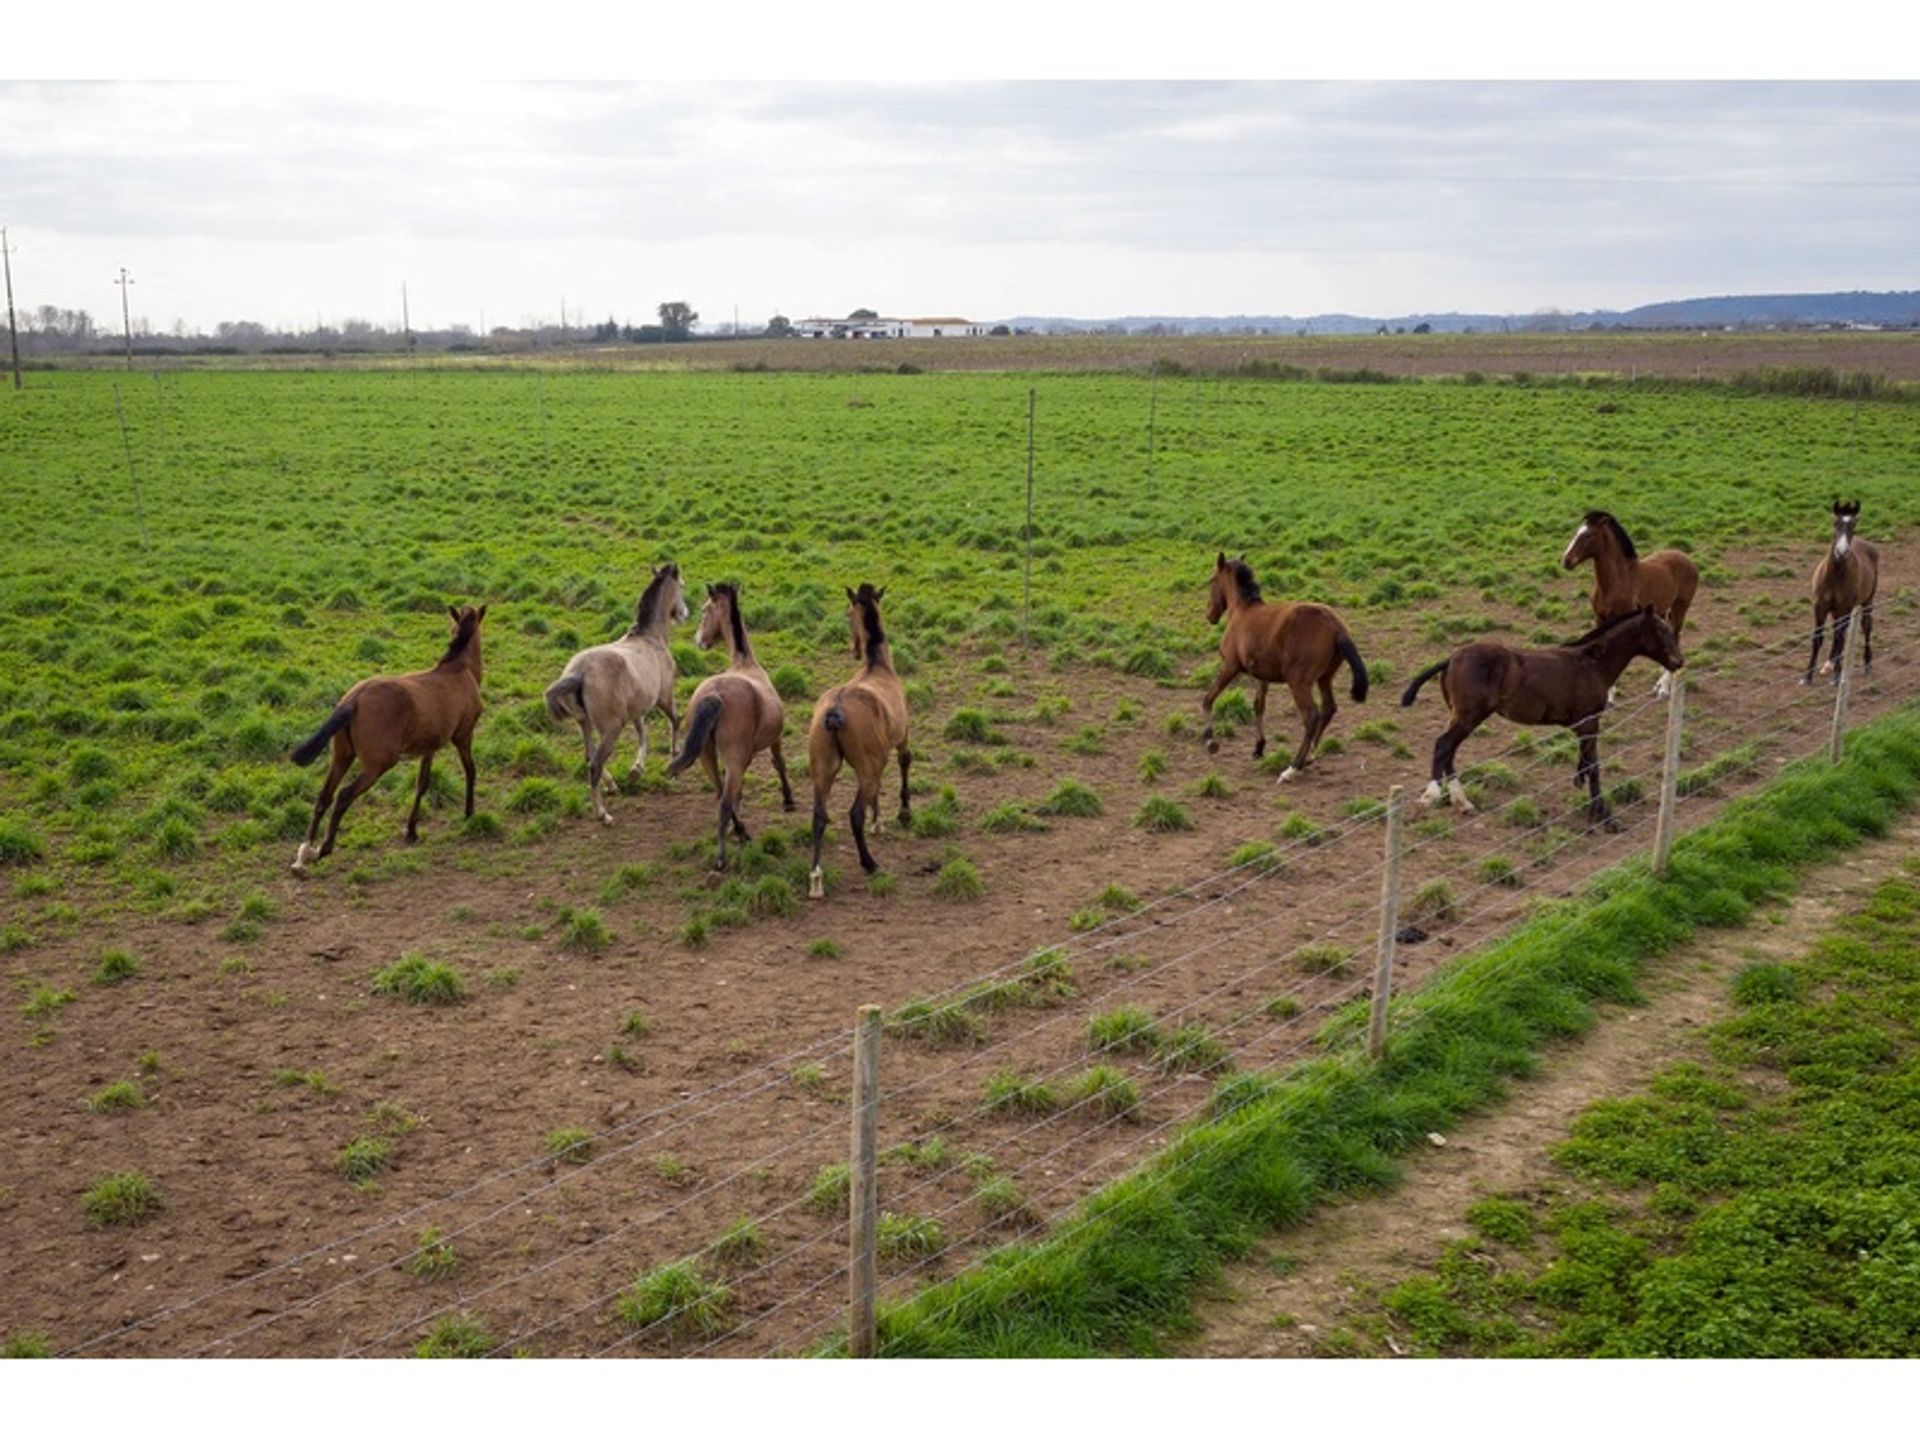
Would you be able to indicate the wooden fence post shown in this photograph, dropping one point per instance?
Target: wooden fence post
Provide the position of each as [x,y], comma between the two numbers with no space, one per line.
[1389,927]
[1845,690]
[863,1198]
[1669,775]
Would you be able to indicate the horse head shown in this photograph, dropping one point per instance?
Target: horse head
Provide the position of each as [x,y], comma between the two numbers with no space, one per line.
[713,615]
[1846,515]
[1658,642]
[1586,540]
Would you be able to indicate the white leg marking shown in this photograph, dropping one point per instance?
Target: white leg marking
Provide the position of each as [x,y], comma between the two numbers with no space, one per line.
[1286,775]
[816,887]
[300,858]
[1826,667]
[1457,793]
[1431,794]
[1612,696]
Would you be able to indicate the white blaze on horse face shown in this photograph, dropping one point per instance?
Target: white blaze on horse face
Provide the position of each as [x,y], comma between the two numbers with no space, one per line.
[1663,687]
[1567,554]
[1842,543]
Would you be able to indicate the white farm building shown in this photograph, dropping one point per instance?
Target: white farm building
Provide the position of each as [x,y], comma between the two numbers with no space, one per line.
[885,327]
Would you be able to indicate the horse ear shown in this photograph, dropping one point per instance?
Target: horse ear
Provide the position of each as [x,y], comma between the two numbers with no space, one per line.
[852,599]
[454,611]
[481,616]
[879,594]
[1220,561]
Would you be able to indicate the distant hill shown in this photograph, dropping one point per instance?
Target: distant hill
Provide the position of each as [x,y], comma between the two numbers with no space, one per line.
[1887,308]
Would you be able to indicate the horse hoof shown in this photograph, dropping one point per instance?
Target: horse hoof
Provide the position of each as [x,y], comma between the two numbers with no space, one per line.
[788,805]
[816,887]
[1213,746]
[906,820]
[1286,775]
[605,818]
[1259,748]
[1826,667]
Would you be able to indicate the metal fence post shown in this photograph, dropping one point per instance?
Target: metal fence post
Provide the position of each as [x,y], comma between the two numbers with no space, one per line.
[1845,691]
[1670,775]
[1389,927]
[863,1198]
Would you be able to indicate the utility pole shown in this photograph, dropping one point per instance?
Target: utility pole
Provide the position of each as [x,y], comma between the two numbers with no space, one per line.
[406,319]
[126,319]
[13,334]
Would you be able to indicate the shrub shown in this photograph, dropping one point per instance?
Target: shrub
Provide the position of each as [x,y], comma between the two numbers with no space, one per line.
[420,981]
[123,1199]
[1160,815]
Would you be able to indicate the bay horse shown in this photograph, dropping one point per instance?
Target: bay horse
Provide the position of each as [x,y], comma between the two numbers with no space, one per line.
[386,717]
[1623,582]
[1844,580]
[732,716]
[859,722]
[609,687]
[1562,685]
[1300,644]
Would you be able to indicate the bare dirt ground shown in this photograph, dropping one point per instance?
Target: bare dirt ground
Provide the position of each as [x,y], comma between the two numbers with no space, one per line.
[1340,1260]
[735,1096]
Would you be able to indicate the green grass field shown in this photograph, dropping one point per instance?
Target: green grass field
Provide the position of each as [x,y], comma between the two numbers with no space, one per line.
[169,633]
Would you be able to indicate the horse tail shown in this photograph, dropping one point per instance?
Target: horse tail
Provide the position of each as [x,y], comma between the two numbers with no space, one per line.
[1406,696]
[835,718]
[1344,644]
[308,750]
[706,715]
[567,696]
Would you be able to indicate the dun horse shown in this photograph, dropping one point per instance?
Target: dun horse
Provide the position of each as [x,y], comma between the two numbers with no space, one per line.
[387,717]
[1301,644]
[609,687]
[1565,685]
[1844,581]
[859,722]
[733,716]
[1623,582]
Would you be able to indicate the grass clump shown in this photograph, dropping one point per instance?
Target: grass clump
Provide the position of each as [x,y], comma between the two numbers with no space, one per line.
[1153,764]
[1434,900]
[959,880]
[44,1001]
[115,966]
[823,950]
[1009,818]
[456,1337]
[433,1255]
[829,1188]
[420,981]
[1499,870]
[1705,779]
[950,1022]
[1160,815]
[1193,1049]
[583,930]
[126,1198]
[1261,854]
[1072,799]
[677,1296]
[120,1095]
[908,1237]
[1103,1090]
[739,1244]
[968,726]
[19,844]
[27,1345]
[364,1157]
[571,1145]
[1127,1030]
[1324,959]
[1012,1092]
[1301,830]
[1002,1199]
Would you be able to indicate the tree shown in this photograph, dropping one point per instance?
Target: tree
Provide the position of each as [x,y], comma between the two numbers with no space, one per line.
[1423,328]
[676,318]
[863,314]
[999,330]
[779,327]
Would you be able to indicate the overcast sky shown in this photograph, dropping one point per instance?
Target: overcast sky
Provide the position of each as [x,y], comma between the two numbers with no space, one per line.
[495,201]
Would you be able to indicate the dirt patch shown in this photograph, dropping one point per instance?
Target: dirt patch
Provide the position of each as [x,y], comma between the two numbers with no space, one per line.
[1345,1255]
[733,1098]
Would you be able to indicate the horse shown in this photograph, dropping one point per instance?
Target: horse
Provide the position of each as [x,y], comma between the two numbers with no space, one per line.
[1844,581]
[609,687]
[733,716]
[386,717]
[859,722]
[1301,644]
[1623,582]
[1563,685]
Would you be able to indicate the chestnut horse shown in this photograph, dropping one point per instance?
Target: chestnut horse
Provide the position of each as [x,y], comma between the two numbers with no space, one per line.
[1623,582]
[733,716]
[859,722]
[386,717]
[1300,644]
[612,686]
[1564,685]
[1844,581]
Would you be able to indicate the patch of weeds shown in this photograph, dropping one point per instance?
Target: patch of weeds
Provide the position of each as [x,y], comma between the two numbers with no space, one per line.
[1073,799]
[939,818]
[583,930]
[115,966]
[1262,854]
[123,1199]
[1282,1007]
[1127,1030]
[1434,900]
[27,1345]
[462,1336]
[44,1000]
[823,950]
[829,1188]
[959,880]
[1324,959]
[504,978]
[1160,815]
[420,981]
[628,880]
[1193,1049]
[1211,787]
[1153,764]
[314,1080]
[1103,1090]
[1298,828]
[1505,1221]
[571,1145]
[1499,870]
[677,1296]
[947,1023]
[968,726]
[908,1237]
[882,883]
[1002,1200]
[364,1157]
[739,1244]
[1012,1092]
[811,1078]
[120,1095]
[433,1255]
[1521,813]
[1009,818]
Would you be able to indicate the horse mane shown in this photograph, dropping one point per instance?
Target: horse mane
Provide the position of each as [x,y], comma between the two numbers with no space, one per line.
[1603,518]
[732,592]
[649,607]
[1603,627]
[462,637]
[1243,578]
[869,602]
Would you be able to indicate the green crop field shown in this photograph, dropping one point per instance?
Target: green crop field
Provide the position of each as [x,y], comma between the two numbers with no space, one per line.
[184,600]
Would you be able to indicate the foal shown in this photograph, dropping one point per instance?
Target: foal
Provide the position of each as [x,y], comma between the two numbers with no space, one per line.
[859,722]
[609,687]
[1565,685]
[1301,644]
[389,716]
[1623,582]
[1843,581]
[733,715]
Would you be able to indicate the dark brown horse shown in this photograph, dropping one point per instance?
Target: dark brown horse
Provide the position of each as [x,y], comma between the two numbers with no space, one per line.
[1623,582]
[860,722]
[1301,645]
[1564,685]
[386,717]
[1843,581]
[733,715]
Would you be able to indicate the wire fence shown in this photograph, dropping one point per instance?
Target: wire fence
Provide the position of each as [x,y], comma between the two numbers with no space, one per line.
[1008,1098]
